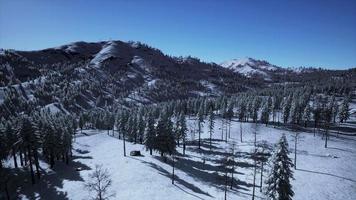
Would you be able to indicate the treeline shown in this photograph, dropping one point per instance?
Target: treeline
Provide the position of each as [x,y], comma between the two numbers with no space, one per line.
[27,136]
[160,127]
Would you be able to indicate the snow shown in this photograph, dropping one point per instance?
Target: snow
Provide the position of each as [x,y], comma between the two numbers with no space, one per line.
[52,108]
[236,62]
[210,86]
[109,50]
[151,83]
[71,47]
[140,62]
[247,67]
[2,52]
[322,173]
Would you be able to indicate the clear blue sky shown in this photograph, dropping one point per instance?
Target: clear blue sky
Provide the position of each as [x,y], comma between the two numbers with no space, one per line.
[286,32]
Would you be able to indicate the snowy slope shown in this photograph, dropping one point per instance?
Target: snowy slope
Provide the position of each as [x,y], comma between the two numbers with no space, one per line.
[109,50]
[322,174]
[249,66]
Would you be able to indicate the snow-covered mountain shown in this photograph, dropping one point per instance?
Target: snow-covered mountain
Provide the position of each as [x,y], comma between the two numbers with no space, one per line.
[85,75]
[249,67]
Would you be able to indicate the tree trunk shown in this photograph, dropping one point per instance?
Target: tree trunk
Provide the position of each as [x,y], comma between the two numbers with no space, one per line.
[183,146]
[14,155]
[326,139]
[173,170]
[151,151]
[37,164]
[21,158]
[254,181]
[25,157]
[295,151]
[67,158]
[51,158]
[226,133]
[31,167]
[199,127]
[210,140]
[241,132]
[232,175]
[135,140]
[229,127]
[261,177]
[222,129]
[225,183]
[124,144]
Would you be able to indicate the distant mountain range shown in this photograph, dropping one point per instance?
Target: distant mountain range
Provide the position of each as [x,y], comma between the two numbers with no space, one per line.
[91,74]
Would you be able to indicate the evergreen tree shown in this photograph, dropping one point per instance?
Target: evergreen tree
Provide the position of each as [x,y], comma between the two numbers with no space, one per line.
[81,122]
[344,110]
[182,129]
[265,114]
[150,134]
[200,121]
[278,182]
[229,116]
[294,111]
[165,141]
[30,141]
[307,114]
[286,108]
[255,108]
[140,127]
[242,110]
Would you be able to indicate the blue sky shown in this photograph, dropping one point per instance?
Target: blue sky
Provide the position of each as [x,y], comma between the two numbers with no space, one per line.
[286,32]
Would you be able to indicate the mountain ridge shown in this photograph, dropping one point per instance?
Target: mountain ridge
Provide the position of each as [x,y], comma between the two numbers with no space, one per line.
[85,75]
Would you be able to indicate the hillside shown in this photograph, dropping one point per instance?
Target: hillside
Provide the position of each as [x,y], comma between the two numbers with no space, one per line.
[200,173]
[82,75]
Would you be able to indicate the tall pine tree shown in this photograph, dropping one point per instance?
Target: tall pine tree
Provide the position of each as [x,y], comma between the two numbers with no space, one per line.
[278,182]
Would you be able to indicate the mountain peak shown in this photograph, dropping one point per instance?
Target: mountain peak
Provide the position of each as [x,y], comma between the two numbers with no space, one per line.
[249,66]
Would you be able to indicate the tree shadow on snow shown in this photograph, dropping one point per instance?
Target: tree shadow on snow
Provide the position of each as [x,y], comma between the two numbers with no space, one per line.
[51,180]
[207,173]
[328,174]
[182,182]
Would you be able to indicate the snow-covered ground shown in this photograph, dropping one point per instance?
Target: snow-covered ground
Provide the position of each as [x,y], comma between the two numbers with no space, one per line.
[322,173]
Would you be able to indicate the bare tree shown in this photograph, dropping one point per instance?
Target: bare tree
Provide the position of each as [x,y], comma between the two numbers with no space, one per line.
[100,183]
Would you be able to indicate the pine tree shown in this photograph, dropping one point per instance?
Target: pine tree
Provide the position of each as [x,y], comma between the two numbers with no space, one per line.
[4,146]
[30,142]
[286,108]
[123,128]
[242,110]
[182,130]
[165,141]
[344,110]
[265,114]
[141,127]
[255,108]
[294,111]
[150,134]
[200,121]
[229,116]
[278,182]
[81,122]
[307,114]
